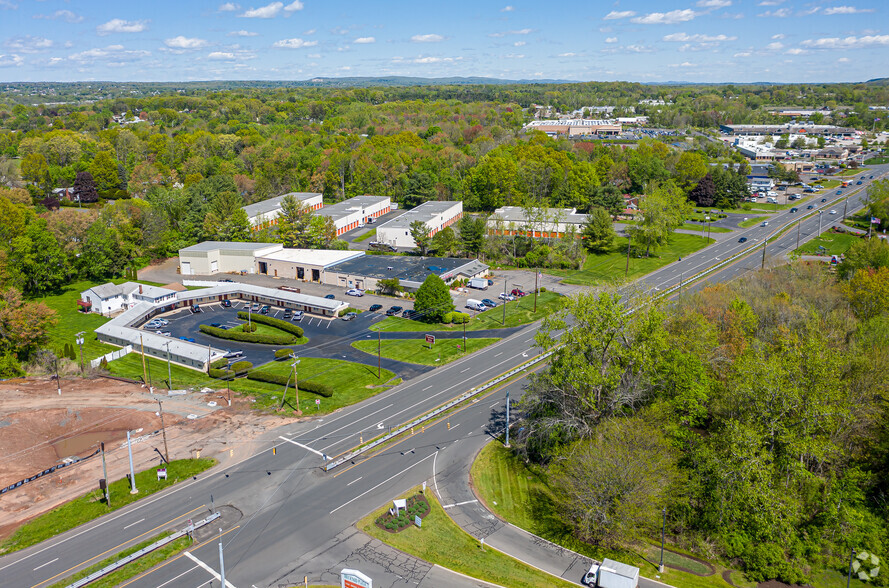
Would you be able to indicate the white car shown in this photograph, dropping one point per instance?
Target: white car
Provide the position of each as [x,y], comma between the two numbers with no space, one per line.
[354,292]
[764,224]
[833,212]
[507,297]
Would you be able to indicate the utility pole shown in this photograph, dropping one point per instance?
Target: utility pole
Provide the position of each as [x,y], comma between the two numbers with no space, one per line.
[105,474]
[629,238]
[160,406]
[79,339]
[133,489]
[536,287]
[507,418]
[504,303]
[797,232]
[169,369]
[221,562]
[845,207]
[764,243]
[819,223]
[851,558]
[708,228]
[58,379]
[379,354]
[144,373]
[660,568]
[464,333]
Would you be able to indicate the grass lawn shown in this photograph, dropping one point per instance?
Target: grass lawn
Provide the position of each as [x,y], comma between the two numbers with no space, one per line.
[830,184]
[833,243]
[852,172]
[751,222]
[440,541]
[518,312]
[609,267]
[418,351]
[371,233]
[132,569]
[876,161]
[92,505]
[351,382]
[695,227]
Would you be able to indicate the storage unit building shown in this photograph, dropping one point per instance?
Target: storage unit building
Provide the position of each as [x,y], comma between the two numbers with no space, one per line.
[364,272]
[538,222]
[266,213]
[354,212]
[436,214]
[212,257]
[307,265]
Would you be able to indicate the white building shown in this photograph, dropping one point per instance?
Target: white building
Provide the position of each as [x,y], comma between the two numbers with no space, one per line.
[211,257]
[266,213]
[354,212]
[536,222]
[109,298]
[307,265]
[436,214]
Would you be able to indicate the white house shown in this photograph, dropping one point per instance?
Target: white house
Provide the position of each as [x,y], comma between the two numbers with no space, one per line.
[110,298]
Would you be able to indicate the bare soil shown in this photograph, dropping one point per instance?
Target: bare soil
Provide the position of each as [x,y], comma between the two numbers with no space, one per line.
[39,429]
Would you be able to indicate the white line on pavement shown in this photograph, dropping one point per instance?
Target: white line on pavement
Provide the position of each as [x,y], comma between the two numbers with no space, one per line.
[131,524]
[208,568]
[466,370]
[355,480]
[177,577]
[301,445]
[46,564]
[457,425]
[459,504]
[499,354]
[383,482]
[426,388]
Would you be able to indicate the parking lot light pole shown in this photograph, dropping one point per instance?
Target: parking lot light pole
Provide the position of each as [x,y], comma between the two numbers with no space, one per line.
[133,489]
[663,532]
[169,368]
[819,222]
[79,339]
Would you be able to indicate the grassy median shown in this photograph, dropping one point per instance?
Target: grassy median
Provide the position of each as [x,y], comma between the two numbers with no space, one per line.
[92,505]
[418,351]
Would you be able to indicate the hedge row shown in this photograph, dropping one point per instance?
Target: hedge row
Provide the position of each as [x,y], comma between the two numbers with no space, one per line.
[272,322]
[313,387]
[219,364]
[240,367]
[221,374]
[281,353]
[458,318]
[248,337]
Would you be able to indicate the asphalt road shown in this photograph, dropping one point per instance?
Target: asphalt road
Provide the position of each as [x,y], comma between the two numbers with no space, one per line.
[285,519]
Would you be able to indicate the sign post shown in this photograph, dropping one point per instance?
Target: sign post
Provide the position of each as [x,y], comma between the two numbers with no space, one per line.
[431,340]
[354,579]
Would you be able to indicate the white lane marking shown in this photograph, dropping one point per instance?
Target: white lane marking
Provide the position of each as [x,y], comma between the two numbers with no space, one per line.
[301,445]
[466,370]
[381,483]
[131,524]
[455,426]
[495,404]
[328,324]
[499,354]
[46,564]
[426,388]
[208,568]
[434,479]
[177,577]
[459,504]
[355,480]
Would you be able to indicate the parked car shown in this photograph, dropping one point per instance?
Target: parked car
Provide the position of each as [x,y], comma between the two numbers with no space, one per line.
[491,282]
[223,327]
[742,240]
[809,190]
[297,316]
[265,309]
[255,306]
[189,339]
[488,302]
[196,309]
[393,311]
[330,297]
[288,313]
[349,316]
[229,354]
[216,325]
[354,292]
[226,304]
[165,333]
[375,307]
[225,280]
[518,292]
[507,297]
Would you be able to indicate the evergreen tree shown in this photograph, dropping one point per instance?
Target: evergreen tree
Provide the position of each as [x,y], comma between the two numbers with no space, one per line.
[598,232]
[420,234]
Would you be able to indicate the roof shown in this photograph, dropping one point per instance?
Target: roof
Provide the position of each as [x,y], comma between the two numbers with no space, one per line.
[426,212]
[175,287]
[347,207]
[272,204]
[154,291]
[321,257]
[517,214]
[228,246]
[408,269]
[622,569]
[105,291]
[235,288]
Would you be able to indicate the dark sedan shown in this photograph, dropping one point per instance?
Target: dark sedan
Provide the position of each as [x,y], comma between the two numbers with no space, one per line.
[393,311]
[375,307]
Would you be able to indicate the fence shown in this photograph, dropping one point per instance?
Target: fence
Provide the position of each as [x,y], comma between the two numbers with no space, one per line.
[117,354]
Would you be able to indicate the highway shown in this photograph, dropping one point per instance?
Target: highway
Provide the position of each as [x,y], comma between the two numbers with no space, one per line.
[284,518]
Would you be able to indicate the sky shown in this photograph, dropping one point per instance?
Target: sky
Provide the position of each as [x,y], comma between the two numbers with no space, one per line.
[582,40]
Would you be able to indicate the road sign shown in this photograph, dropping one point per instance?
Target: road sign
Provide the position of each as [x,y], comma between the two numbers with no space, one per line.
[354,579]
[317,402]
[418,521]
[430,339]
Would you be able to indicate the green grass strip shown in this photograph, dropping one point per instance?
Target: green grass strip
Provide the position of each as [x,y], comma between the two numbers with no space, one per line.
[418,351]
[92,505]
[365,236]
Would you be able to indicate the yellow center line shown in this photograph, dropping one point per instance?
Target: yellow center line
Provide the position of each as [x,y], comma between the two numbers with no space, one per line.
[169,561]
[118,546]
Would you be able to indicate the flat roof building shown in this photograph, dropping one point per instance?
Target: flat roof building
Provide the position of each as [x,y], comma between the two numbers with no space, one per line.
[211,257]
[536,222]
[354,212]
[575,127]
[265,213]
[435,214]
[364,272]
[106,299]
[302,264]
[787,129]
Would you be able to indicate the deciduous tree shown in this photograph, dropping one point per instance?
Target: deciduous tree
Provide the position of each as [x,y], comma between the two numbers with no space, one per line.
[433,299]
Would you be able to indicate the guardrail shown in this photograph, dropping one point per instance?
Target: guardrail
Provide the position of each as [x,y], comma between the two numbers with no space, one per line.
[435,412]
[145,550]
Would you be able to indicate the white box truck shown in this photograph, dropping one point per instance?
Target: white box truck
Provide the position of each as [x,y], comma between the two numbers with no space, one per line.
[612,574]
[479,283]
[475,305]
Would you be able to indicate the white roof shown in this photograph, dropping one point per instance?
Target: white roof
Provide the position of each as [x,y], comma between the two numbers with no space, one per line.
[347,207]
[426,212]
[273,204]
[320,257]
[153,291]
[232,288]
[621,569]
[228,246]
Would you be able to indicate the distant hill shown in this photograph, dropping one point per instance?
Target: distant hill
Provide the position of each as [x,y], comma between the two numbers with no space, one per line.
[878,82]
[411,81]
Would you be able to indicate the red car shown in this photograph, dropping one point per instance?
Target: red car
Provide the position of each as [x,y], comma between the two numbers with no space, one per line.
[517,292]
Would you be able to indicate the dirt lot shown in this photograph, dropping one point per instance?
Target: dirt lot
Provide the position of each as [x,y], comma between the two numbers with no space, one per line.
[39,429]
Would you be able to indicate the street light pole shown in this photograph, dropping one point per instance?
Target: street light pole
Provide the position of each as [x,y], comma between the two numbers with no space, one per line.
[797,232]
[504,303]
[764,243]
[169,368]
[507,418]
[160,406]
[819,223]
[133,489]
[105,475]
[79,339]
[221,562]
[663,532]
[708,228]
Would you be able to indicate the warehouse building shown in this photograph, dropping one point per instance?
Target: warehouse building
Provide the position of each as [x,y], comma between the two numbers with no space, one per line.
[365,272]
[307,265]
[211,257]
[355,212]
[264,214]
[435,214]
[551,223]
[787,129]
[575,127]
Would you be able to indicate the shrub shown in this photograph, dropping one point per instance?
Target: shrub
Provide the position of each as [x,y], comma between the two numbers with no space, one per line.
[460,318]
[248,327]
[448,318]
[239,367]
[282,339]
[282,353]
[220,374]
[273,322]
[541,289]
[343,311]
[219,364]
[308,386]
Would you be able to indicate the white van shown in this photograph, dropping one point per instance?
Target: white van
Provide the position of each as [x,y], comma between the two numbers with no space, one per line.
[475,305]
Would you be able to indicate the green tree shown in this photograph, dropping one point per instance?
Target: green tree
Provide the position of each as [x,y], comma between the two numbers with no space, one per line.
[35,262]
[24,326]
[104,253]
[35,169]
[389,286]
[104,171]
[226,219]
[420,234]
[321,232]
[660,213]
[598,231]
[293,222]
[433,299]
[862,255]
[472,233]
[443,242]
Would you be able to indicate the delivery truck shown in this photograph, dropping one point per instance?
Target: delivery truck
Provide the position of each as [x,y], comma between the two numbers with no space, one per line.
[479,283]
[475,305]
[612,574]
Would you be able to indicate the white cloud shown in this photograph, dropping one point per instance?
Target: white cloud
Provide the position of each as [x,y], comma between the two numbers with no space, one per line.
[431,38]
[7,5]
[221,55]
[514,56]
[569,54]
[364,40]
[293,6]
[771,3]
[846,10]
[295,43]
[638,49]
[778,36]
[743,54]
[714,3]
[268,11]
[185,43]
[796,51]
[518,32]
[110,52]
[11,59]
[117,25]
[229,7]
[507,9]
[242,33]
[519,43]
[310,32]
[437,59]
[697,38]
[29,44]
[611,40]
[851,42]
[843,60]
[686,64]
[672,17]
[65,15]
[776,46]
[617,14]
[780,13]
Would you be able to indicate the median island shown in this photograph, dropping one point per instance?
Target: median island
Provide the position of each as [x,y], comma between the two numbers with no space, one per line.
[260,329]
